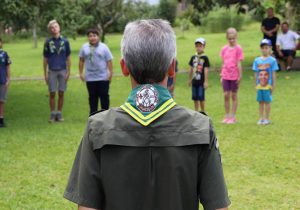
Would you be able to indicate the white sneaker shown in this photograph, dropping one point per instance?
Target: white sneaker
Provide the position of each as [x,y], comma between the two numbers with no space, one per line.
[260,122]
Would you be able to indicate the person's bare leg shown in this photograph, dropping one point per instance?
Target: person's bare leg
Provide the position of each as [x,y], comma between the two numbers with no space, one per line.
[282,64]
[196,104]
[261,110]
[227,103]
[60,101]
[52,101]
[202,106]
[1,109]
[234,97]
[267,111]
[289,62]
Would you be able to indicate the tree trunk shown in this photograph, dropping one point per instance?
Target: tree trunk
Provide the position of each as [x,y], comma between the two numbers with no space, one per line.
[34,36]
[101,32]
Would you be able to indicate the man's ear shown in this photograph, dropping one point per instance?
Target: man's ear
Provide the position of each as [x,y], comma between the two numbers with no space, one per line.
[124,68]
[171,70]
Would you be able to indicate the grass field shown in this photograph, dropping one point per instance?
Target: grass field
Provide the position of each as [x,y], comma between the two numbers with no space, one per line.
[261,164]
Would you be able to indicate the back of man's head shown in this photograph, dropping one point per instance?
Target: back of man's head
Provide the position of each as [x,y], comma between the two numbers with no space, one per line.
[148,49]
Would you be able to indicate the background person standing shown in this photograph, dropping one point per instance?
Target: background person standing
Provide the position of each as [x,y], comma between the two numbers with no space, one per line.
[97,59]
[57,64]
[270,27]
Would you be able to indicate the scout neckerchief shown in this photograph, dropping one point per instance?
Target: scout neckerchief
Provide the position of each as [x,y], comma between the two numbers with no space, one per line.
[53,47]
[92,51]
[265,87]
[198,66]
[148,102]
[2,56]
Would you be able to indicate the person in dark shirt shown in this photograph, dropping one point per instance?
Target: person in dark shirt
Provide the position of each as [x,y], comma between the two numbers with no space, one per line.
[270,27]
[5,63]
[149,153]
[56,63]
[198,75]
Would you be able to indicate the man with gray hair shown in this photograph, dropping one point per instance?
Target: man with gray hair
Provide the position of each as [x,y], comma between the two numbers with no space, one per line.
[148,154]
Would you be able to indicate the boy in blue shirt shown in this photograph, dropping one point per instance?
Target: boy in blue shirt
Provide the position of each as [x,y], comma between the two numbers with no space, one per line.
[198,76]
[56,65]
[4,80]
[265,68]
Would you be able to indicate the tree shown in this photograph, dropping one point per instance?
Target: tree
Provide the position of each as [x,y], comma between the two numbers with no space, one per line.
[167,10]
[35,11]
[75,19]
[104,13]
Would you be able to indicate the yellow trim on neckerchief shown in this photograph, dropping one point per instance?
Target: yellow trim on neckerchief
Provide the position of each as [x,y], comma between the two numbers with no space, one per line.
[146,120]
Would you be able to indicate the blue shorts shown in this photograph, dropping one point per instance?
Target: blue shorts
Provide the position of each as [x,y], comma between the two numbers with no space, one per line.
[198,93]
[264,96]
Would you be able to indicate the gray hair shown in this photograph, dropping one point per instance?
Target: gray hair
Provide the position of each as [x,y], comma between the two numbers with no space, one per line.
[148,48]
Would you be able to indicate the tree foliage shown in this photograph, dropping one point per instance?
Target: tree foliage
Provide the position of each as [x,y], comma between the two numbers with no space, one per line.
[167,10]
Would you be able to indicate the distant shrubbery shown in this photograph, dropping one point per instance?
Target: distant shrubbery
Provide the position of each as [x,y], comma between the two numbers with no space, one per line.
[220,18]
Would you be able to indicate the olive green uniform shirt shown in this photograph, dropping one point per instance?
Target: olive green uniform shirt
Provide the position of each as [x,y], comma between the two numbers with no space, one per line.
[171,164]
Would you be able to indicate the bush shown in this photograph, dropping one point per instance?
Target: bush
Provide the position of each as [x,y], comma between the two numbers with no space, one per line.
[167,10]
[220,18]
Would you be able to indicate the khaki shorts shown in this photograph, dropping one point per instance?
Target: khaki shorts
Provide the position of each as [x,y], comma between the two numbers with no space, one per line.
[3,93]
[56,81]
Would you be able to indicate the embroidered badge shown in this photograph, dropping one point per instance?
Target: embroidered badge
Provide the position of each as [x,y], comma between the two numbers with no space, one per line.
[146,98]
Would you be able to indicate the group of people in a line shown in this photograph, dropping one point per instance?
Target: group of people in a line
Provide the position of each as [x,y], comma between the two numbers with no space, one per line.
[232,55]
[274,49]
[95,68]
[94,56]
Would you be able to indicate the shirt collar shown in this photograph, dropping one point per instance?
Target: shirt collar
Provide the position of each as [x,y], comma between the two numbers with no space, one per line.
[148,102]
[93,45]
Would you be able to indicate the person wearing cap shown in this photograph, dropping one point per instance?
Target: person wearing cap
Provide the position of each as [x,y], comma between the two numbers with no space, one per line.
[198,76]
[5,63]
[287,44]
[149,153]
[57,64]
[265,68]
[97,59]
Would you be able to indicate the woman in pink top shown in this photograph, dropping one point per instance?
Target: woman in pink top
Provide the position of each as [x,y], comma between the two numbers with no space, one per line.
[231,74]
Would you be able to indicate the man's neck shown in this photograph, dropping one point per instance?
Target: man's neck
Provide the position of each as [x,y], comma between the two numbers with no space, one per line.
[134,84]
[265,56]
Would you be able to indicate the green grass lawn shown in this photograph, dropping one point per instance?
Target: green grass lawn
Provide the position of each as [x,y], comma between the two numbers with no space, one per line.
[261,164]
[27,61]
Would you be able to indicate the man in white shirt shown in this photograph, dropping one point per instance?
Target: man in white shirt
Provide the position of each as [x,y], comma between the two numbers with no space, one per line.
[287,43]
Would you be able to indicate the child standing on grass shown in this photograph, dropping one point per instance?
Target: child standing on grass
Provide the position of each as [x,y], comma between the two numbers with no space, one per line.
[198,76]
[231,74]
[265,68]
[4,80]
